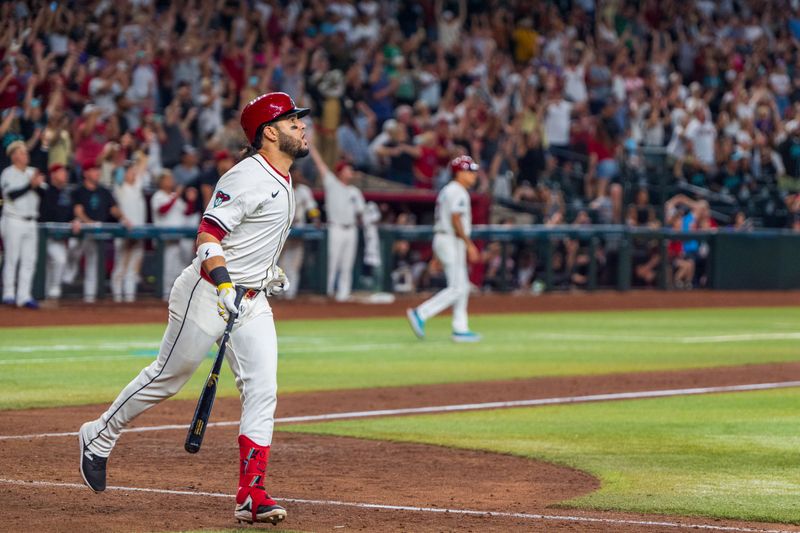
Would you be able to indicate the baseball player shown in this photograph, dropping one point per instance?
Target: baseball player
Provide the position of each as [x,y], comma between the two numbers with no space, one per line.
[306,209]
[20,185]
[453,247]
[344,205]
[168,207]
[239,241]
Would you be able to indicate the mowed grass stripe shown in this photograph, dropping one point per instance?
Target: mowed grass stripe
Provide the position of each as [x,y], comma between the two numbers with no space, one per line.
[731,456]
[382,352]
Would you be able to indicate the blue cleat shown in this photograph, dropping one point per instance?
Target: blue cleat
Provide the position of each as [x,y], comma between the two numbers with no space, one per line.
[31,304]
[466,336]
[416,323]
[9,301]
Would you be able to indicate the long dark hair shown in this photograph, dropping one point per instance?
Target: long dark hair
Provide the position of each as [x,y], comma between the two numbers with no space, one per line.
[255,146]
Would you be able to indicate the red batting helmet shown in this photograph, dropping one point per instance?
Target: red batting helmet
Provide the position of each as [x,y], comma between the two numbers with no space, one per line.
[267,108]
[463,162]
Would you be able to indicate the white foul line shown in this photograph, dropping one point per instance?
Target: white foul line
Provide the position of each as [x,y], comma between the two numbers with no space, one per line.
[467,512]
[461,407]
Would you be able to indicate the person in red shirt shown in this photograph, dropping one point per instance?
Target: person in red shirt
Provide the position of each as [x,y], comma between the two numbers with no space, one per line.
[603,165]
[11,88]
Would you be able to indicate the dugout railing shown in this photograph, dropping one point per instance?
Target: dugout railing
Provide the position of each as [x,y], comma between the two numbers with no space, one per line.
[313,272]
[758,259]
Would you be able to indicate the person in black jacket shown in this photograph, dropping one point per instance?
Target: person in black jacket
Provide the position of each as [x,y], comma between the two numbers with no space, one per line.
[57,206]
[94,204]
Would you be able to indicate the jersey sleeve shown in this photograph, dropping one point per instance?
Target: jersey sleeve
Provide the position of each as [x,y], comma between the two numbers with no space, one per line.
[229,203]
[4,185]
[459,203]
[329,180]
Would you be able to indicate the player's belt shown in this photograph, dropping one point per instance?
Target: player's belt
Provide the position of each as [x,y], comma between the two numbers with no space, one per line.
[21,217]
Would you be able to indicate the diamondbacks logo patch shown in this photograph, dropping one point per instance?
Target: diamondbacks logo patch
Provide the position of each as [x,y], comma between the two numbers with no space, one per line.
[220,198]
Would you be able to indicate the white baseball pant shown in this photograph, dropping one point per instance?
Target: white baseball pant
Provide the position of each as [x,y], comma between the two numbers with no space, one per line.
[128,256]
[173,265]
[89,250]
[452,253]
[20,239]
[193,328]
[56,266]
[292,264]
[342,248]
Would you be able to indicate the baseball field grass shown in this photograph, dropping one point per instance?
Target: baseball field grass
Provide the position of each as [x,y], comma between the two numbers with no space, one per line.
[729,456]
[90,364]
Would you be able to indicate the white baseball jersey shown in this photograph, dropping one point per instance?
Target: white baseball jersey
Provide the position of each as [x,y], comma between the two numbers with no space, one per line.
[130,199]
[254,204]
[452,199]
[342,202]
[304,202]
[13,179]
[174,216]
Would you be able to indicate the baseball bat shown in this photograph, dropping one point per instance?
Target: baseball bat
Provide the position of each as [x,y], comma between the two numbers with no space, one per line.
[194,437]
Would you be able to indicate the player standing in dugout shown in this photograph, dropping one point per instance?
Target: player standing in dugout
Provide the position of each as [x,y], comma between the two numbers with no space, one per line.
[239,240]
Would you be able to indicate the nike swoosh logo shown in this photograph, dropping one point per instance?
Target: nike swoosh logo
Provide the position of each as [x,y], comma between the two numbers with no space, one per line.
[275,194]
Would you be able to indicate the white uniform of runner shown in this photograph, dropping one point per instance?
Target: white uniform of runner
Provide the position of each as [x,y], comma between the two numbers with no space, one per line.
[20,235]
[255,205]
[292,255]
[173,217]
[452,253]
[343,204]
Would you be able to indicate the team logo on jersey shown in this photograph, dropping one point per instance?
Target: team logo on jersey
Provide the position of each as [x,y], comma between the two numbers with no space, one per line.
[220,198]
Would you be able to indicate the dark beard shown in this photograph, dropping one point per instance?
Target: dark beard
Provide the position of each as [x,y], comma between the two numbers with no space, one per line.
[291,146]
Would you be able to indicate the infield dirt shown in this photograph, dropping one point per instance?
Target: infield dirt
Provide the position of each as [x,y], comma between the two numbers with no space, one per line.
[334,468]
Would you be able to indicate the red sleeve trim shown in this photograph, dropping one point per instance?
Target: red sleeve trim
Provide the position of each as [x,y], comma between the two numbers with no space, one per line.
[212,228]
[164,209]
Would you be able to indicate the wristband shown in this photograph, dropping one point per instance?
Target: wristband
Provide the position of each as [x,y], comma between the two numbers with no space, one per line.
[219,276]
[207,250]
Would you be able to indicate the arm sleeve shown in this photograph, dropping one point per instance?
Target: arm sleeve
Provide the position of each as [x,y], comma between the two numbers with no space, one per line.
[459,203]
[18,192]
[329,179]
[228,205]
[212,228]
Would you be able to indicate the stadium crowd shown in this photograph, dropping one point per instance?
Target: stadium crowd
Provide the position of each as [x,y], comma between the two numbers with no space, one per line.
[577,111]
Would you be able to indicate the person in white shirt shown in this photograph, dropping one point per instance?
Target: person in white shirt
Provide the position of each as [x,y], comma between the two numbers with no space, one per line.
[128,253]
[557,117]
[453,248]
[344,205]
[239,240]
[702,133]
[306,209]
[19,184]
[168,207]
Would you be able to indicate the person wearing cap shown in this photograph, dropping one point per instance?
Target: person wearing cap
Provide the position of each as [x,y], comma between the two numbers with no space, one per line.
[239,240]
[57,206]
[21,189]
[453,247]
[94,204]
[344,205]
